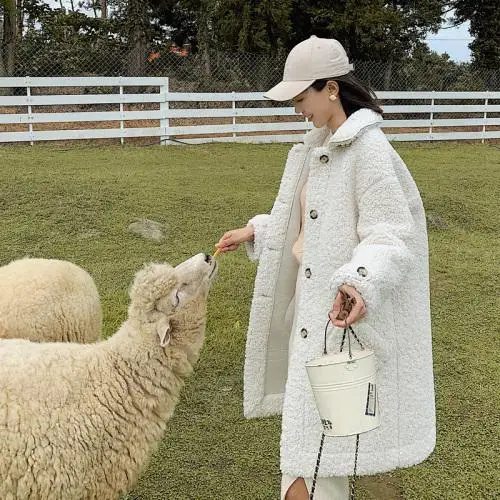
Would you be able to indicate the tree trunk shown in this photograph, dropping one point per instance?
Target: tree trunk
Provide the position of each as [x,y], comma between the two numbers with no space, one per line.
[137,54]
[104,8]
[20,18]
[136,58]
[9,36]
[203,37]
[388,75]
[2,48]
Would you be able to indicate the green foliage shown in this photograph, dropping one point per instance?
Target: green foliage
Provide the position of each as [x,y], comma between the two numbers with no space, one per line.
[369,29]
[391,35]
[254,26]
[62,43]
[484,17]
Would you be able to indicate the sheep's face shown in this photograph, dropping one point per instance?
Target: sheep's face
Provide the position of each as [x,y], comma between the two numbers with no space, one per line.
[161,293]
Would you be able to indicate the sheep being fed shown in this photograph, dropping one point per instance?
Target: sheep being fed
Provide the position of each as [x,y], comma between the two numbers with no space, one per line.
[80,421]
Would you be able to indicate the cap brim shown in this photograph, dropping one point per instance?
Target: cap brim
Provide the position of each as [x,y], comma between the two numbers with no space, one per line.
[285,91]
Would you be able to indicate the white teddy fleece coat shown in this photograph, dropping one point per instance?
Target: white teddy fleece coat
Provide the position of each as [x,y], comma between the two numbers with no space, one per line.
[364,226]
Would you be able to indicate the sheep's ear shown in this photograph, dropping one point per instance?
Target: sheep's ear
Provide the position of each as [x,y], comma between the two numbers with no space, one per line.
[163,331]
[175,298]
[180,295]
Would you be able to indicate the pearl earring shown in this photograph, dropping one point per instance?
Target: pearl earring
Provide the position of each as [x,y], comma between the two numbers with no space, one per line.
[332,98]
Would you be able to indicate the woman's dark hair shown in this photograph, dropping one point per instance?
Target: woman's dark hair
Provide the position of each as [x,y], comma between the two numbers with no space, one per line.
[353,93]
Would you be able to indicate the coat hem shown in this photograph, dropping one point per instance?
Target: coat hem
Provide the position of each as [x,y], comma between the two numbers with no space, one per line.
[343,464]
[270,405]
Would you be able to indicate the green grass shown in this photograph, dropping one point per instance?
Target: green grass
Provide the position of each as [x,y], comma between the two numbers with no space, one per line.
[76,203]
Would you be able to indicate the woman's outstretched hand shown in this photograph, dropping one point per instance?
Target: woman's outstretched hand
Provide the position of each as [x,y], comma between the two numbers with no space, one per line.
[232,239]
[348,307]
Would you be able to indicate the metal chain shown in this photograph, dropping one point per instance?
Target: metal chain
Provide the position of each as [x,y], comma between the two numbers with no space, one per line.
[352,495]
[315,478]
[356,337]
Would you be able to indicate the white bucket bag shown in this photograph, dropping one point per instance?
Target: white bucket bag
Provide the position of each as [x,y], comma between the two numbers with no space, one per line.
[345,390]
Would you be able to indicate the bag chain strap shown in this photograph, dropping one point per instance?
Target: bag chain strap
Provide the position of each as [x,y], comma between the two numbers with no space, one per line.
[352,492]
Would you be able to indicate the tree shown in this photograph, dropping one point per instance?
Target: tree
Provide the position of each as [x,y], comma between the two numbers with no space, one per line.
[9,37]
[484,17]
[59,42]
[20,18]
[369,29]
[103,5]
[137,22]
[253,26]
[374,30]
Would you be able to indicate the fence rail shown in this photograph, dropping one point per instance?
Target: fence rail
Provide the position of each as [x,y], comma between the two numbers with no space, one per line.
[477,121]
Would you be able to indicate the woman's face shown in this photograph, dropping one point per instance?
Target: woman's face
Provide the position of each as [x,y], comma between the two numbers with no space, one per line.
[316,106]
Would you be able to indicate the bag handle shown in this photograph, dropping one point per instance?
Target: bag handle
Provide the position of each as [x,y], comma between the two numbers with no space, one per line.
[347,331]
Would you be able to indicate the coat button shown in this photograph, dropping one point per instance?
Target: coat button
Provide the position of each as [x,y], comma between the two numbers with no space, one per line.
[313,214]
[303,333]
[323,159]
[362,272]
[308,273]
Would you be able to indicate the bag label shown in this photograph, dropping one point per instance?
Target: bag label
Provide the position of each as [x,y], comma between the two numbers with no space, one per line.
[371,400]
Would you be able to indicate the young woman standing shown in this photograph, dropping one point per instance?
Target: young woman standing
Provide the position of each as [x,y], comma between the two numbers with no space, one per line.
[348,224]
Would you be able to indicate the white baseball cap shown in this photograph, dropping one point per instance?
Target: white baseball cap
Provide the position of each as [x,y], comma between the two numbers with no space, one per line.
[310,60]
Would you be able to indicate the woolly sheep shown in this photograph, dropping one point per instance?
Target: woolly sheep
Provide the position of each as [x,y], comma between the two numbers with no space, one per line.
[48,300]
[81,421]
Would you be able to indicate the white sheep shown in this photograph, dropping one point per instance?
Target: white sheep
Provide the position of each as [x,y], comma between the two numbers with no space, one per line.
[81,421]
[48,300]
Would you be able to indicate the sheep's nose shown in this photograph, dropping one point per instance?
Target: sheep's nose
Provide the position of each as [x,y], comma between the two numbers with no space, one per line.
[208,258]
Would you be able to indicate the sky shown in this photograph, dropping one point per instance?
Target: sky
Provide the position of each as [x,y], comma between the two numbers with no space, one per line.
[453,41]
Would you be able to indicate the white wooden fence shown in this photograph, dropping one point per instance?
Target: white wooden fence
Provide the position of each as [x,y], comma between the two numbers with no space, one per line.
[36,116]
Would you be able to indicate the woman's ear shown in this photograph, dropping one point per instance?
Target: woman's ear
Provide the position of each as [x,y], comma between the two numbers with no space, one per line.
[333,88]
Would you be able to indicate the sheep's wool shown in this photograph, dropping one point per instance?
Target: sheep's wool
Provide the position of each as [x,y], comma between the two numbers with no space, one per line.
[81,421]
[49,300]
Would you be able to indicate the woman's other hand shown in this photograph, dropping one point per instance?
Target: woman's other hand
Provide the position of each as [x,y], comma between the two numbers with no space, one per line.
[348,307]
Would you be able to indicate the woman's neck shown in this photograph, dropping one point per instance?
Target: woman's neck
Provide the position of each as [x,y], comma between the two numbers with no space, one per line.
[336,120]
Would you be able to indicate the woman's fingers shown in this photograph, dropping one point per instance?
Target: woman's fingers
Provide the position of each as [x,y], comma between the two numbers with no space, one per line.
[355,314]
[338,304]
[226,240]
[348,317]
[230,248]
[231,240]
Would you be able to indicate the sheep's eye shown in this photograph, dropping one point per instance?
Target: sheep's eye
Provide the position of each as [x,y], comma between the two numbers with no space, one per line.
[177,299]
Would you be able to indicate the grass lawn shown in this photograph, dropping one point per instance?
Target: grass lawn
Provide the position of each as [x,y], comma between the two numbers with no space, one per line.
[75,203]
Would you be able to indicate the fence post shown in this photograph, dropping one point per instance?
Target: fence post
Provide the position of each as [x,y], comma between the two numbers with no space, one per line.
[164,107]
[432,117]
[234,115]
[122,115]
[30,114]
[485,117]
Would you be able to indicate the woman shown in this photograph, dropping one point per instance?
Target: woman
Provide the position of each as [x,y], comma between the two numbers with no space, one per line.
[348,224]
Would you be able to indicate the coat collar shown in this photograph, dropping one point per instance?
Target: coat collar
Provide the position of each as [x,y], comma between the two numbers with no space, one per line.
[352,128]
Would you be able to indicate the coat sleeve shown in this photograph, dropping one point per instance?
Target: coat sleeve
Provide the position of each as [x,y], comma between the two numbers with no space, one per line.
[254,248]
[385,230]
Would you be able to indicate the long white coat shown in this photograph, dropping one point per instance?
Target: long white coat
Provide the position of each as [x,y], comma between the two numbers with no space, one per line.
[363,210]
